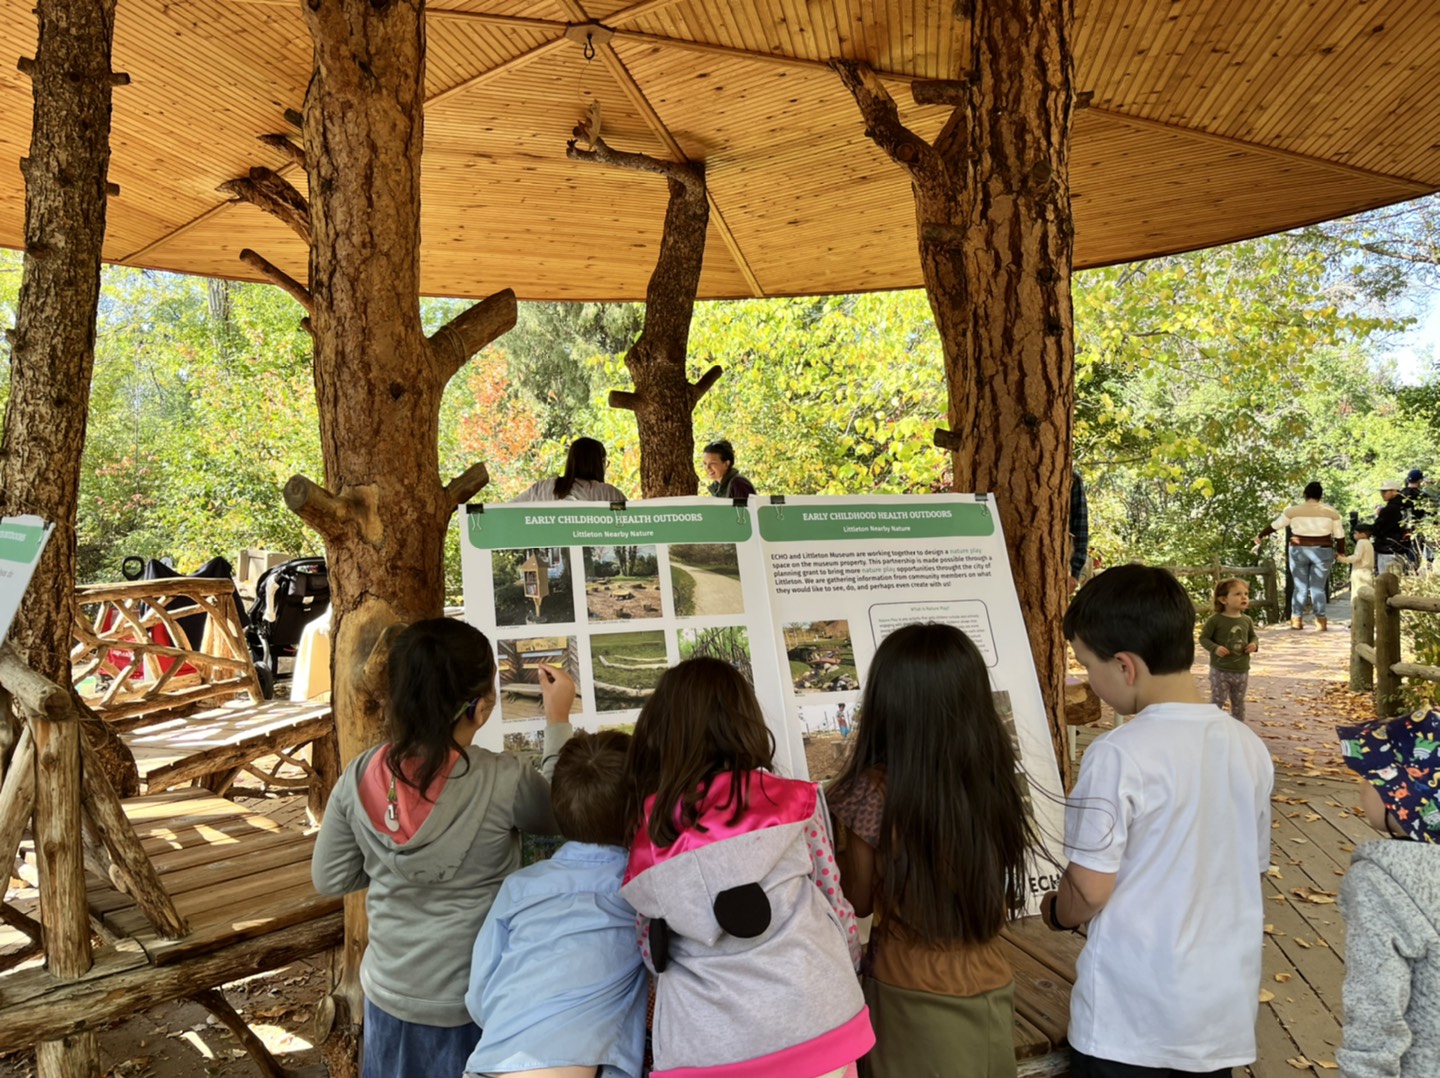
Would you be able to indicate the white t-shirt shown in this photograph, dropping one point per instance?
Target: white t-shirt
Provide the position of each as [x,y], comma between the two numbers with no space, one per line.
[1176,803]
[581,490]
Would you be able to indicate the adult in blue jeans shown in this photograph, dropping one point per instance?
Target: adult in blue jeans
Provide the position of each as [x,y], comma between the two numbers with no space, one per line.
[1317,534]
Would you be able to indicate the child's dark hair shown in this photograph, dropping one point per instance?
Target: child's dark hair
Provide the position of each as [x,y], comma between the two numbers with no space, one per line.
[1136,608]
[1363,526]
[954,833]
[702,720]
[1224,588]
[438,668]
[590,788]
[586,460]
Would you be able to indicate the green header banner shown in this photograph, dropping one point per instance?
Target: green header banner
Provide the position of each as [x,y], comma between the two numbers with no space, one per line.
[20,543]
[512,527]
[876,520]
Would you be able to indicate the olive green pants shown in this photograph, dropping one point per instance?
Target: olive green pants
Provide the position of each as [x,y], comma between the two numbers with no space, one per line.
[920,1035]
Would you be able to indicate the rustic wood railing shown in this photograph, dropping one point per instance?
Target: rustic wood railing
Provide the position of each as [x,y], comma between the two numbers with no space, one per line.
[1375,660]
[1267,600]
[133,655]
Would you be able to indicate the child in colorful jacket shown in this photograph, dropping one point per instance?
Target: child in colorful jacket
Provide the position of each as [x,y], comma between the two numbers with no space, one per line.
[733,874]
[1391,902]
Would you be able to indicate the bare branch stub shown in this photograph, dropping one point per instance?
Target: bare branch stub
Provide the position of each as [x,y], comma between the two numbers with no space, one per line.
[706,380]
[472,329]
[467,484]
[287,146]
[952,92]
[623,398]
[948,439]
[275,195]
[317,507]
[603,154]
[279,277]
[882,121]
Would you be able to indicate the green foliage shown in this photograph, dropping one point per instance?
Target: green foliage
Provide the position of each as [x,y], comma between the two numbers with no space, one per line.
[1420,638]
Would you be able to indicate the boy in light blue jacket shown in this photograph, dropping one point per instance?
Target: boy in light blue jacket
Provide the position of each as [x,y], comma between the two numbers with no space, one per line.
[556,979]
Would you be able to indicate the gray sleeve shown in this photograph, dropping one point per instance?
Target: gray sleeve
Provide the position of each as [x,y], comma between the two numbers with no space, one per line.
[337,866]
[532,792]
[1377,980]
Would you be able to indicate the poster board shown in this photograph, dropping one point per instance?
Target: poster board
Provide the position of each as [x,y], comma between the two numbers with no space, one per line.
[797,592]
[22,541]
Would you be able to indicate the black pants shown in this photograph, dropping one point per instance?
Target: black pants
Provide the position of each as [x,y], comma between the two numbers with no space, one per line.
[1083,1066]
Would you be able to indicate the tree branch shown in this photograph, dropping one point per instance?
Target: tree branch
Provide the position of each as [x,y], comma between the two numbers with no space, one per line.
[882,122]
[331,514]
[601,153]
[623,398]
[467,484]
[275,195]
[286,146]
[279,277]
[948,439]
[701,387]
[472,329]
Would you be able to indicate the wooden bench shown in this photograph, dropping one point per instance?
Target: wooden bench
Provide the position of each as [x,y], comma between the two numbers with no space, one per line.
[215,747]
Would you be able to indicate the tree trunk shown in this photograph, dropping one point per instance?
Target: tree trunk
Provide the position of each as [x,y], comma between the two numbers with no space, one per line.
[52,359]
[665,398]
[993,206]
[378,379]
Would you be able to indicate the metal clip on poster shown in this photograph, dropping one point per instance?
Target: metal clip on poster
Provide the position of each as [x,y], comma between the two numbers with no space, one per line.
[618,507]
[778,500]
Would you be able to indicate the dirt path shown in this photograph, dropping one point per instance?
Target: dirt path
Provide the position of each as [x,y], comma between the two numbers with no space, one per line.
[715,593]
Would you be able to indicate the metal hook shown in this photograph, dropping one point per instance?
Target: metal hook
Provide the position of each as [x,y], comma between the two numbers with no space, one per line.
[589,51]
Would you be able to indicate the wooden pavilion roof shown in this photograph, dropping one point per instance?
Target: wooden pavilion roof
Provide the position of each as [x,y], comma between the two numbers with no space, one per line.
[1208,121]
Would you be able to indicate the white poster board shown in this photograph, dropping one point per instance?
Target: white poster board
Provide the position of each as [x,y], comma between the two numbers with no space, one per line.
[798,595]
[22,541]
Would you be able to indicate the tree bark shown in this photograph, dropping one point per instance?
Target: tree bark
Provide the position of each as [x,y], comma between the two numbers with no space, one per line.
[992,203]
[383,509]
[664,399]
[52,358]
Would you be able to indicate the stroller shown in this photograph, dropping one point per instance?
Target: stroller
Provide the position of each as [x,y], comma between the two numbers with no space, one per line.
[287,598]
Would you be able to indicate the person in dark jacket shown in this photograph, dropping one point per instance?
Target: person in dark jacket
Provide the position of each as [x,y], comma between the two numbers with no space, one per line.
[1391,538]
[725,482]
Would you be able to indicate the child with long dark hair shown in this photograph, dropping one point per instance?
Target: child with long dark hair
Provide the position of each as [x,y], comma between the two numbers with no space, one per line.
[430,824]
[933,834]
[732,871]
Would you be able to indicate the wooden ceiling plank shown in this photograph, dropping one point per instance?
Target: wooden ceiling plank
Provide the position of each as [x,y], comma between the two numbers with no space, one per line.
[512,22]
[637,96]
[639,11]
[1400,182]
[642,38]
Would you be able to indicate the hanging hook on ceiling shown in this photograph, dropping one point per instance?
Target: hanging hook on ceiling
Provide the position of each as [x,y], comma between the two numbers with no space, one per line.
[589,50]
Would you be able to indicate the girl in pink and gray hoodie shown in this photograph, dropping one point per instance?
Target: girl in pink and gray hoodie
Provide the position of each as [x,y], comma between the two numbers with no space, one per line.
[733,874]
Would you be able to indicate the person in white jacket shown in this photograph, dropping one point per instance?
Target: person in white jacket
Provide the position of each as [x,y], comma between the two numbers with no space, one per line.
[1362,562]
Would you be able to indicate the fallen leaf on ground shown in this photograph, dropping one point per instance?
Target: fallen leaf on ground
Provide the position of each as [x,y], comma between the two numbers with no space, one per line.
[1282,977]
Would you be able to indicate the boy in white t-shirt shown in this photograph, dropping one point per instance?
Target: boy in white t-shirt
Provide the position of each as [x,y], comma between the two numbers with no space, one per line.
[1168,834]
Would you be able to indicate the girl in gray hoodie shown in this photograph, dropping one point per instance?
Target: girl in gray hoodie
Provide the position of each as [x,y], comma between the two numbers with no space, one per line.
[1391,902]
[431,825]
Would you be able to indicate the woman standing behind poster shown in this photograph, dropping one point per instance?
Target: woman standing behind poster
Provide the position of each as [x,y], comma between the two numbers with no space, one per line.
[583,479]
[1316,534]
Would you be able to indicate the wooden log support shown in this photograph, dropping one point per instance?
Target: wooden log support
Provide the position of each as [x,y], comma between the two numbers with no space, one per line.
[325,760]
[38,697]
[63,911]
[22,923]
[1429,604]
[214,1001]
[93,1002]
[1362,640]
[137,874]
[269,191]
[1387,645]
[467,484]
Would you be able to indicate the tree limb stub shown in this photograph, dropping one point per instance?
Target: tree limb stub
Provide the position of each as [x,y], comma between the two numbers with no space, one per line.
[26,65]
[467,484]
[950,92]
[286,145]
[708,379]
[882,121]
[275,195]
[330,514]
[623,398]
[602,153]
[948,439]
[279,277]
[38,696]
[472,329]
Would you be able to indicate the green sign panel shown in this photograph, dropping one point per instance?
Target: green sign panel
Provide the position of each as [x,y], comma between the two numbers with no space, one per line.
[511,527]
[909,519]
[20,543]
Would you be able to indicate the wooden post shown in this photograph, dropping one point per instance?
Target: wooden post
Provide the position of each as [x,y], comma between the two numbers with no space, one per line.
[1362,631]
[1387,645]
[325,762]
[1272,589]
[57,844]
